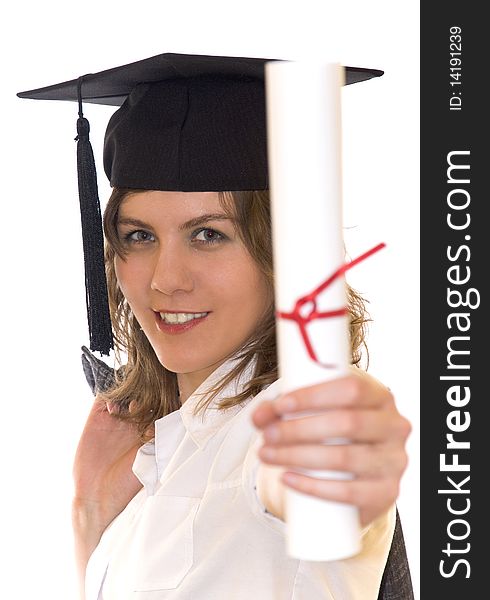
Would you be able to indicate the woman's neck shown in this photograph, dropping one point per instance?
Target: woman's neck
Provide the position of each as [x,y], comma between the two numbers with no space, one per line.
[189,382]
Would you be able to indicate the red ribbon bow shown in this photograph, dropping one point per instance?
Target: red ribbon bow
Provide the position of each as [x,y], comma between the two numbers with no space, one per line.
[310,298]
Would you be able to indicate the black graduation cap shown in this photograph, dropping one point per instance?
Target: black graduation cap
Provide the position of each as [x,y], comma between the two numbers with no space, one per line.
[185,123]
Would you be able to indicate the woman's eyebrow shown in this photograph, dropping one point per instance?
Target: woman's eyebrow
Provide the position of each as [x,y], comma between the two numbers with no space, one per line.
[133,222]
[204,219]
[187,225]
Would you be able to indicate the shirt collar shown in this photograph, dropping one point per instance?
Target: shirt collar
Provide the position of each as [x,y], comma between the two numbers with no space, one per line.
[153,457]
[201,427]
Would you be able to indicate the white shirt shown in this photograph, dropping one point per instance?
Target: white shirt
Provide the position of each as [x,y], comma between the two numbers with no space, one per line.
[198,531]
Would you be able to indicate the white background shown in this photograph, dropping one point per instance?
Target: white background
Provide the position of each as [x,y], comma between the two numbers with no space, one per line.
[45,398]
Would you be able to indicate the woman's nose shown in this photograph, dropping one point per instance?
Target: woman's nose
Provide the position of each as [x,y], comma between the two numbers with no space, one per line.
[172,272]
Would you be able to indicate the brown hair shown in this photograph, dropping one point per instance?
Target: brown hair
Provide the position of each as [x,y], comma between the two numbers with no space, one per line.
[152,389]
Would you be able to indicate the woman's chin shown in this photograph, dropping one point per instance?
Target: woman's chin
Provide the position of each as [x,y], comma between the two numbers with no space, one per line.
[184,364]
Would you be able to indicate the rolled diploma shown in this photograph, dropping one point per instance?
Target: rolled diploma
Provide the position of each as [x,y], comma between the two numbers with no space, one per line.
[304,153]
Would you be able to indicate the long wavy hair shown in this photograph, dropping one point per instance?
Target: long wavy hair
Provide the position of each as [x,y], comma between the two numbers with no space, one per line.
[144,390]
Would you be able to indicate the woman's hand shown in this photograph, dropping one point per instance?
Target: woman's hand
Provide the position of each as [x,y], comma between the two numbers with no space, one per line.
[356,407]
[103,477]
[102,469]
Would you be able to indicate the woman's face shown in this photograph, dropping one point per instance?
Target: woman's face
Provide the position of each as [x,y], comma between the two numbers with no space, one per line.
[190,281]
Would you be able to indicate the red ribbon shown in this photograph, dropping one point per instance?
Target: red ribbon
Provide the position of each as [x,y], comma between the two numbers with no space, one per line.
[302,321]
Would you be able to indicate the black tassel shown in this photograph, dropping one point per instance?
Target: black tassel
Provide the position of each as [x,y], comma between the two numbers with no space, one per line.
[98,315]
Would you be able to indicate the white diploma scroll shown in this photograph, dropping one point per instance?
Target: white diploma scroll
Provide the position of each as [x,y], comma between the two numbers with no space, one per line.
[304,153]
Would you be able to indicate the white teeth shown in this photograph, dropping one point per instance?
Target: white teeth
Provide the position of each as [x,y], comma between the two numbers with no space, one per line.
[174,318]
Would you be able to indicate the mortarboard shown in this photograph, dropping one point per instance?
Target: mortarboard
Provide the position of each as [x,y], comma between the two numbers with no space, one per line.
[184,123]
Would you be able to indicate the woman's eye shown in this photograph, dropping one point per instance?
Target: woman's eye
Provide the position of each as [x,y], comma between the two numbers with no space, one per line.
[207,236]
[138,237]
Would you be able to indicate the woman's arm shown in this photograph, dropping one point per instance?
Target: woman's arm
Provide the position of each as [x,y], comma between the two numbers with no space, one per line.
[358,408]
[88,527]
[103,478]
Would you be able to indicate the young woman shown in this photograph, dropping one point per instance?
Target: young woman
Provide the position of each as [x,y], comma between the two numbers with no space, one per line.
[181,470]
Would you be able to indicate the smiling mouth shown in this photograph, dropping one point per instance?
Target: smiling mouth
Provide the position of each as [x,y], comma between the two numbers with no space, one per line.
[179,318]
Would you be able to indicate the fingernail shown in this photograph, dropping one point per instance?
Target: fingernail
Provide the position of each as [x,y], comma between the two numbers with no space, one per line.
[290,478]
[286,404]
[267,452]
[271,434]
